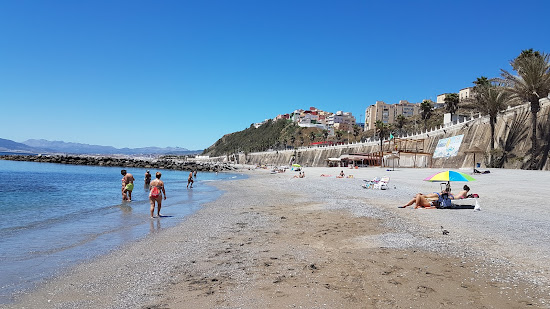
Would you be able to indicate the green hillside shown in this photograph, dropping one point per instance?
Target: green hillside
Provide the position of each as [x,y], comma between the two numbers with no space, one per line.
[282,134]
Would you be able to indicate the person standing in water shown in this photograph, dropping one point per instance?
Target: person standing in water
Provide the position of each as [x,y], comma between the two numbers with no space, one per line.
[195,175]
[156,194]
[127,185]
[147,179]
[190,180]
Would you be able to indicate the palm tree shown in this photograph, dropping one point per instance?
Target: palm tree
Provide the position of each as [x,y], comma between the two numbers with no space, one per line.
[489,98]
[426,108]
[530,85]
[382,129]
[451,103]
[481,81]
[400,123]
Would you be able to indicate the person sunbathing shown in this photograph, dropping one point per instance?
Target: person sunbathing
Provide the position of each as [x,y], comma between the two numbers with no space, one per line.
[425,200]
[341,175]
[460,195]
[420,200]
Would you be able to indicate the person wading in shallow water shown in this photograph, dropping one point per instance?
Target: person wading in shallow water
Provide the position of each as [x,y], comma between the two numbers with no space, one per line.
[156,194]
[190,180]
[147,179]
[127,185]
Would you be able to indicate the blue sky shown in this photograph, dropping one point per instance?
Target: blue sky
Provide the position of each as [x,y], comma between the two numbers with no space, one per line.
[184,73]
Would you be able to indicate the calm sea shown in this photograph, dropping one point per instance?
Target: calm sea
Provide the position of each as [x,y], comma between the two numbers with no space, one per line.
[53,216]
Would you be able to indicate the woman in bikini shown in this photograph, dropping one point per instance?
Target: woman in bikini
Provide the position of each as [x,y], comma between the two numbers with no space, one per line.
[460,195]
[156,187]
[424,200]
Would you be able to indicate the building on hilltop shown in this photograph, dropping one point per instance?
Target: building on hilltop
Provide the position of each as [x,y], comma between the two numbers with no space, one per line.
[465,93]
[387,113]
[342,121]
[316,118]
[279,117]
[440,101]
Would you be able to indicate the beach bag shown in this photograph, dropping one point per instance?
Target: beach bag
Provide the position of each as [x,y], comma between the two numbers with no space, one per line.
[155,192]
[444,201]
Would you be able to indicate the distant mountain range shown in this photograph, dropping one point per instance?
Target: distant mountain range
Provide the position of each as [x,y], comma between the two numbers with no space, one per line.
[45,146]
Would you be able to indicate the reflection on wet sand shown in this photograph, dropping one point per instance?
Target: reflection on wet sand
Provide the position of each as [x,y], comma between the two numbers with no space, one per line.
[154,225]
[126,209]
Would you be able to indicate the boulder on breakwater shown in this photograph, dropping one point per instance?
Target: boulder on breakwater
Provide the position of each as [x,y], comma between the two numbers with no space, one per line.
[171,164]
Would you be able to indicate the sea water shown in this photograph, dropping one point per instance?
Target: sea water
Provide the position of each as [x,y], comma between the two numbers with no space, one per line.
[53,216]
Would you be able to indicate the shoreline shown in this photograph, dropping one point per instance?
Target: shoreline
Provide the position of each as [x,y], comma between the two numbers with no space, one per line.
[276,241]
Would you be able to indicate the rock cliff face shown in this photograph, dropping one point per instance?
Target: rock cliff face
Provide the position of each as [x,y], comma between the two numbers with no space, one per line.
[512,145]
[123,163]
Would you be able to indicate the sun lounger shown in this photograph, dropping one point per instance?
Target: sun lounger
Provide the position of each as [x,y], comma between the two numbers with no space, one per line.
[382,184]
[468,201]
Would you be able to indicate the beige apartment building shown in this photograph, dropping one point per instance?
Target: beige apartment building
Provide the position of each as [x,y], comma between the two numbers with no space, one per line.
[465,93]
[388,113]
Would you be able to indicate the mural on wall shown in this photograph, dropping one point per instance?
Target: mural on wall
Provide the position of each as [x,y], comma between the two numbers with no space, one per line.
[448,147]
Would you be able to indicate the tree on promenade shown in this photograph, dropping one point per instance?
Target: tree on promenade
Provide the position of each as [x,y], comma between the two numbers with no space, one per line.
[400,123]
[382,129]
[451,103]
[531,84]
[489,98]
[426,108]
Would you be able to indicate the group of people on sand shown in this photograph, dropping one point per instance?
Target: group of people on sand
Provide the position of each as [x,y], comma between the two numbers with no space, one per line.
[156,188]
[426,200]
[301,175]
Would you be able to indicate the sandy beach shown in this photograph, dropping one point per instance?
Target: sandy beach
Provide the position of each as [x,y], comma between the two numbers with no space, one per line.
[274,241]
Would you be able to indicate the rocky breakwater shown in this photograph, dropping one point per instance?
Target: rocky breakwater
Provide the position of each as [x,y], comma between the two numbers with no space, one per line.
[172,164]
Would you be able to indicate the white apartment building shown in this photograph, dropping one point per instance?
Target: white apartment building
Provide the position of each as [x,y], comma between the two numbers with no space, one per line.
[342,121]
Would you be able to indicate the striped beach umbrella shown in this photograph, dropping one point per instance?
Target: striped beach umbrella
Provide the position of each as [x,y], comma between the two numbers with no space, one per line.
[449,176]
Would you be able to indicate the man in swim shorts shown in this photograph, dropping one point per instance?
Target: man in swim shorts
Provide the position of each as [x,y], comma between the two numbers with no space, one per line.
[127,185]
[147,179]
[190,180]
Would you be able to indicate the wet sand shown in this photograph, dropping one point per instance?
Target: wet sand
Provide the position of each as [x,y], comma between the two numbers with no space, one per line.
[273,241]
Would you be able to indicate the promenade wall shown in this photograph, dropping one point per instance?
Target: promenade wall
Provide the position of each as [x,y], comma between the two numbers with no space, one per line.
[512,141]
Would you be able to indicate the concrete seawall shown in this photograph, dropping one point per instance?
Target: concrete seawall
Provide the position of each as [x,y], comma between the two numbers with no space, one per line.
[512,144]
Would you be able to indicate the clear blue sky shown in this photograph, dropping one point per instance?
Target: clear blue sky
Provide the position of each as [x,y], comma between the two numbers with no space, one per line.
[184,73]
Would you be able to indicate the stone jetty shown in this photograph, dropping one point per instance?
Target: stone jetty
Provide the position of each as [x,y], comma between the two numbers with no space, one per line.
[161,163]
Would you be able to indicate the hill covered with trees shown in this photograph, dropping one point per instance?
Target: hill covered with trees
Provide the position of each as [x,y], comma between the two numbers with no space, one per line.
[285,134]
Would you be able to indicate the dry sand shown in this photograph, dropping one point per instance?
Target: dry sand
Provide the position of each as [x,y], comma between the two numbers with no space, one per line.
[273,241]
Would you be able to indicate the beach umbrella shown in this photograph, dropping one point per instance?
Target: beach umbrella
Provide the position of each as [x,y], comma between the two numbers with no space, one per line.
[296,165]
[474,150]
[393,156]
[449,176]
